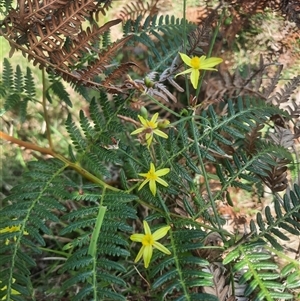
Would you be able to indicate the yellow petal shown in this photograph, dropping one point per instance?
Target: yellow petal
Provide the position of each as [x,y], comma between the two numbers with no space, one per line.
[140,254]
[207,64]
[184,72]
[152,167]
[154,118]
[162,172]
[147,229]
[137,237]
[137,131]
[160,133]
[161,248]
[149,137]
[142,120]
[162,182]
[148,250]
[195,78]
[158,234]
[186,59]
[152,186]
[143,184]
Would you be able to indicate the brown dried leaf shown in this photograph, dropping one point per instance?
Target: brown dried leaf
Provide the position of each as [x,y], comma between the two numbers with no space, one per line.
[220,288]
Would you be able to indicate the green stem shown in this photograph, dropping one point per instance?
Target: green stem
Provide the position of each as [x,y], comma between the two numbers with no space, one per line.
[210,49]
[93,244]
[46,116]
[61,253]
[163,205]
[187,87]
[178,267]
[164,107]
[204,173]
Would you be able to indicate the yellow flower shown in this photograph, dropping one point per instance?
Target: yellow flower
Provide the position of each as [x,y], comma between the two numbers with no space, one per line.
[149,241]
[153,176]
[13,291]
[198,63]
[10,230]
[150,127]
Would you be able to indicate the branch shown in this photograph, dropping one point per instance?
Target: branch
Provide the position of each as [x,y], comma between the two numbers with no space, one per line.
[76,166]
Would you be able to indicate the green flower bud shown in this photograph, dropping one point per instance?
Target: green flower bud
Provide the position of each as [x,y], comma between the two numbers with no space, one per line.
[144,112]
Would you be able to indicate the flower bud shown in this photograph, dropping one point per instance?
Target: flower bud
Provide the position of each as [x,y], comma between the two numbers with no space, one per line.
[144,112]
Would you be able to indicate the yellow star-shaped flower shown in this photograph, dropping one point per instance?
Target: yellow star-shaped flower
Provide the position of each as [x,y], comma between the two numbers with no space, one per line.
[149,241]
[150,127]
[153,176]
[198,63]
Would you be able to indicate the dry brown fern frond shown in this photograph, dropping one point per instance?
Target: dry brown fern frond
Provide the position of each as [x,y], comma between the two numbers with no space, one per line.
[252,80]
[199,38]
[139,9]
[252,137]
[51,35]
[220,287]
[282,98]
[198,14]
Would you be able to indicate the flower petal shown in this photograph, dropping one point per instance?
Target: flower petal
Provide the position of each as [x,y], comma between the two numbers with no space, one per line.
[144,174]
[187,60]
[207,64]
[142,120]
[154,118]
[160,133]
[137,131]
[140,254]
[161,248]
[143,184]
[137,237]
[162,182]
[148,250]
[149,137]
[160,233]
[152,186]
[184,72]
[152,167]
[195,78]
[162,172]
[147,229]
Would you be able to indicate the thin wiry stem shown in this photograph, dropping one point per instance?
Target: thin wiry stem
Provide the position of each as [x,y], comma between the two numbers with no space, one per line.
[46,116]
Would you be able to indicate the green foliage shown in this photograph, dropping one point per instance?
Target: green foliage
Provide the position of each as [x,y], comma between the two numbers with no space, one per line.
[16,89]
[167,31]
[81,209]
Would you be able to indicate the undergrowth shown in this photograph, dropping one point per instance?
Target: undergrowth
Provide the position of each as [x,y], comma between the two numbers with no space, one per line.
[130,197]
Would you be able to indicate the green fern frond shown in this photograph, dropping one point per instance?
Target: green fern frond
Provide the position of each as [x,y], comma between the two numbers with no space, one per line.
[275,226]
[57,88]
[168,33]
[16,89]
[76,137]
[18,80]
[111,243]
[28,217]
[7,75]
[260,272]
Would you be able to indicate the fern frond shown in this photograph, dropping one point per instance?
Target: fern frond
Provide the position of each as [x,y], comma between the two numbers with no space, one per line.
[165,30]
[111,243]
[28,216]
[137,10]
[58,89]
[259,273]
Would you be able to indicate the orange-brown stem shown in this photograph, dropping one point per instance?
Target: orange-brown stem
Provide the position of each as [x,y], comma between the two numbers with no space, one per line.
[52,153]
[28,145]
